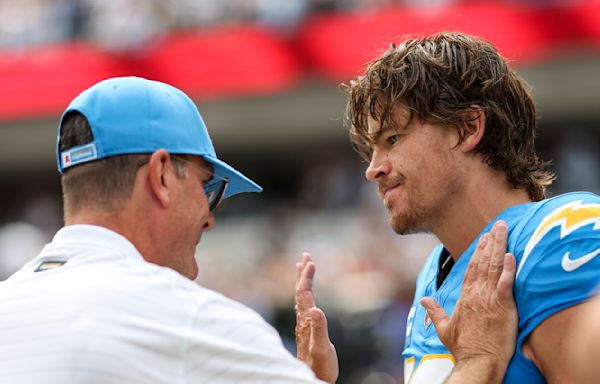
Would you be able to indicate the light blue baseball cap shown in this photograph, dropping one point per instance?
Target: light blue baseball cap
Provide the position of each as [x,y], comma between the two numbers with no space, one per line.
[131,115]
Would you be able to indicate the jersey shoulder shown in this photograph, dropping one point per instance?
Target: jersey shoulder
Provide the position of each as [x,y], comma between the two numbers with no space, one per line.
[571,219]
[555,242]
[556,246]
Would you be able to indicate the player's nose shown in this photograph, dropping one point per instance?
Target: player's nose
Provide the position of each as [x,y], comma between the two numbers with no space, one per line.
[379,166]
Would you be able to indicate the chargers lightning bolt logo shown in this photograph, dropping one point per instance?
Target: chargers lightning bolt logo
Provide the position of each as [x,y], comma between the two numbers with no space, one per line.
[569,218]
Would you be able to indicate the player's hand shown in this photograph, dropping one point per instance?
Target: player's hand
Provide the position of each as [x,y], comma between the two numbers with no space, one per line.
[482,330]
[312,338]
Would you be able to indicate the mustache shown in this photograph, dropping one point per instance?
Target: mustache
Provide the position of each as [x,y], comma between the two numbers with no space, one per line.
[388,183]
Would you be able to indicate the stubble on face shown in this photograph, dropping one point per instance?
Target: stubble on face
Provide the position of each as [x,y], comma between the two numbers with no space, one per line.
[409,219]
[422,178]
[405,213]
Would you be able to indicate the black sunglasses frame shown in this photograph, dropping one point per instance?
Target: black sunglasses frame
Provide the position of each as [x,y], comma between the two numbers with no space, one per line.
[215,191]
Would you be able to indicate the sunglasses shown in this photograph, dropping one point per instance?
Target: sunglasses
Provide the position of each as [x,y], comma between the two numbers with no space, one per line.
[215,190]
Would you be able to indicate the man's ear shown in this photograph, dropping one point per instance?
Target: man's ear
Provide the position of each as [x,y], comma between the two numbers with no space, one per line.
[159,177]
[474,128]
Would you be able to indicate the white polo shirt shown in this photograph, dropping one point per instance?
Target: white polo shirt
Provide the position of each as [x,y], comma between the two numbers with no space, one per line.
[99,313]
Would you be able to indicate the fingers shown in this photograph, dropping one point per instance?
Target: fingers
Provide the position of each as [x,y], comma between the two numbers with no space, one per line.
[318,325]
[305,281]
[485,309]
[507,277]
[491,258]
[305,300]
[313,345]
[298,272]
[305,272]
[471,274]
[485,255]
[323,359]
[438,316]
[499,250]
[302,265]
[487,265]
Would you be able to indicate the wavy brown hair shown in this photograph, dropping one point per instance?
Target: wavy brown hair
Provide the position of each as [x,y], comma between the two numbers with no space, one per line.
[444,79]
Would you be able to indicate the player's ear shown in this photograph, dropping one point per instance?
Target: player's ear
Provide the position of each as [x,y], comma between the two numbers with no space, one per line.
[474,129]
[159,177]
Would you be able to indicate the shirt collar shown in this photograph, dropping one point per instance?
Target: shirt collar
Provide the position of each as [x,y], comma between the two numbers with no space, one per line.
[93,235]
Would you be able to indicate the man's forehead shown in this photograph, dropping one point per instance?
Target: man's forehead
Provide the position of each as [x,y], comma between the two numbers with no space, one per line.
[374,125]
[206,166]
[399,117]
[202,164]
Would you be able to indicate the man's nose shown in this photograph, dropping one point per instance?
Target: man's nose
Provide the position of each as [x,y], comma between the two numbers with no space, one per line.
[378,167]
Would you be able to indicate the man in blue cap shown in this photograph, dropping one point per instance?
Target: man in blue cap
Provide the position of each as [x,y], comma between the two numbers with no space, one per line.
[111,298]
[125,125]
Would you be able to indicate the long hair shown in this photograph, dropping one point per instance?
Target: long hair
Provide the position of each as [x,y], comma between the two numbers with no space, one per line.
[444,79]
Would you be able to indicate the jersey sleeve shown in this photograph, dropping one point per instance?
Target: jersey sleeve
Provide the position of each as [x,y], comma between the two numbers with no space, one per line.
[559,264]
[228,342]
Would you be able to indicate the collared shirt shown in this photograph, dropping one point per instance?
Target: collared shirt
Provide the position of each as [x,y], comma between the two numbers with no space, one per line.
[90,309]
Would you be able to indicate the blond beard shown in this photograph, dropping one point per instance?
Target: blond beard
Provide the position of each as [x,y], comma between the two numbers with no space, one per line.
[408,222]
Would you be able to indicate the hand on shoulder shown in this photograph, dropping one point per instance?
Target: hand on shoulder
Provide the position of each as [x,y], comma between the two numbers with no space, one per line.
[481,333]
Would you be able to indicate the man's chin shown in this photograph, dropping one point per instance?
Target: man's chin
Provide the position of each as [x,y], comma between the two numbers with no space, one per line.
[404,225]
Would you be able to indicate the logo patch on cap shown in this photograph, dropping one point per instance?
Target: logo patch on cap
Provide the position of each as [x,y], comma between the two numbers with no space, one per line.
[79,154]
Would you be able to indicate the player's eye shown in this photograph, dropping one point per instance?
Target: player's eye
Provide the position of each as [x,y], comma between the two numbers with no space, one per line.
[392,139]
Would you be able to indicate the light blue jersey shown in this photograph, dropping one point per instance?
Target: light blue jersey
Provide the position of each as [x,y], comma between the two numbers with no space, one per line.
[556,243]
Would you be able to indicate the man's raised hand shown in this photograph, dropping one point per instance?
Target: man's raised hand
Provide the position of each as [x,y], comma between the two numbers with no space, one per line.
[312,338]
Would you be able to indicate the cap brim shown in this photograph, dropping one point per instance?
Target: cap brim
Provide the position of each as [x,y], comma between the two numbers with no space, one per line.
[238,183]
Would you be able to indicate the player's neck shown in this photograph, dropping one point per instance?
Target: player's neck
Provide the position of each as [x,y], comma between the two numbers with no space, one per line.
[481,200]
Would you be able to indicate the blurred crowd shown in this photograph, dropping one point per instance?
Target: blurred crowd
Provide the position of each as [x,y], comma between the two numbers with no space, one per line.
[126,25]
